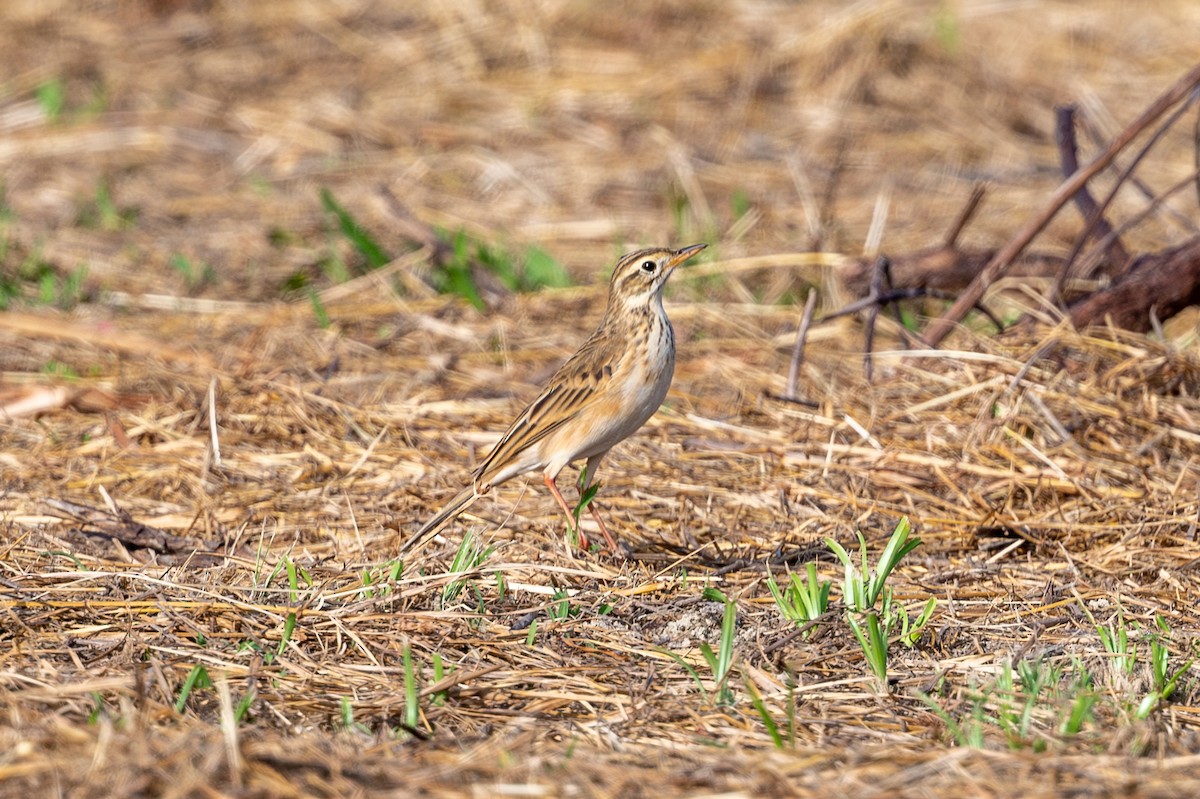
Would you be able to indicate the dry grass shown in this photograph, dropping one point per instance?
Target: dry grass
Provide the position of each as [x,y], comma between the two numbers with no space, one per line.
[139,544]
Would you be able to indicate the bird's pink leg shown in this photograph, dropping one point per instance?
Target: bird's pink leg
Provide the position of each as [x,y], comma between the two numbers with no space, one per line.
[589,471]
[612,545]
[562,503]
[553,486]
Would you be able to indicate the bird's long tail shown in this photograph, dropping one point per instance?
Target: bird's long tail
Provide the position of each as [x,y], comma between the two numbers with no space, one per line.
[454,507]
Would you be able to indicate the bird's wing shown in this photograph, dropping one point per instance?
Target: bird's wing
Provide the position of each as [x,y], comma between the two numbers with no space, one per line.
[578,383]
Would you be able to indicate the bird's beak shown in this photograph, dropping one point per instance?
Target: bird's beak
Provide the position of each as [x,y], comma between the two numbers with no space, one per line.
[682,255]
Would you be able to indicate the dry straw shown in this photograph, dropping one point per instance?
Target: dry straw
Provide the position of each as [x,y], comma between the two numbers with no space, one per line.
[140,572]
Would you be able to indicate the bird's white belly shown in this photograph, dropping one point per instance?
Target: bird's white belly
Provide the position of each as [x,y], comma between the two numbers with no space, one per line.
[639,388]
[642,395]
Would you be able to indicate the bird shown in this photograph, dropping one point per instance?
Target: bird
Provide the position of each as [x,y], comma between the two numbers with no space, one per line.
[599,397]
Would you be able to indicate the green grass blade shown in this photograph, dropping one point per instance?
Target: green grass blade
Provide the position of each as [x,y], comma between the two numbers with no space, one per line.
[412,711]
[289,625]
[354,232]
[763,713]
[197,678]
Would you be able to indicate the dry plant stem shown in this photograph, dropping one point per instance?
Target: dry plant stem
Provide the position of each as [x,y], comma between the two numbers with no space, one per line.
[1155,203]
[965,215]
[774,647]
[229,729]
[812,214]
[1068,155]
[212,421]
[910,293]
[60,329]
[881,269]
[1185,222]
[877,299]
[934,272]
[1001,261]
[1093,219]
[798,350]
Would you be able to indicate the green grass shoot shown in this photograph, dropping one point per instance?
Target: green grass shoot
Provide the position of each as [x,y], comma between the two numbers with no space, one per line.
[355,233]
[197,679]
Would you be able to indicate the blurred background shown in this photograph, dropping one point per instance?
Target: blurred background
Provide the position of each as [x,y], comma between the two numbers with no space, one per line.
[232,150]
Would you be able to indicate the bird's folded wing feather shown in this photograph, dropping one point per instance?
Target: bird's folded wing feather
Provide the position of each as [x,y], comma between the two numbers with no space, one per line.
[578,384]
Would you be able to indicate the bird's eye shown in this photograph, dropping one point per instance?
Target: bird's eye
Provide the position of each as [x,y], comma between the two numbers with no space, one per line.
[649,266]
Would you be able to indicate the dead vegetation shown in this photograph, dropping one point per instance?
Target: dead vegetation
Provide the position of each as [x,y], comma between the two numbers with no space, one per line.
[196,567]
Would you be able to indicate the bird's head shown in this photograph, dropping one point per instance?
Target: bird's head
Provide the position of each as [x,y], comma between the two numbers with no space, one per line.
[639,277]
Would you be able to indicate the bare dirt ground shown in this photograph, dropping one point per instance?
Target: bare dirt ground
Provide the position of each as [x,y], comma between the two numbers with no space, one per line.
[197,577]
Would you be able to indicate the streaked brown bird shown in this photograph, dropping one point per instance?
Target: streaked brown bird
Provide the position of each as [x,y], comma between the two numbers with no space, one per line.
[599,397]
